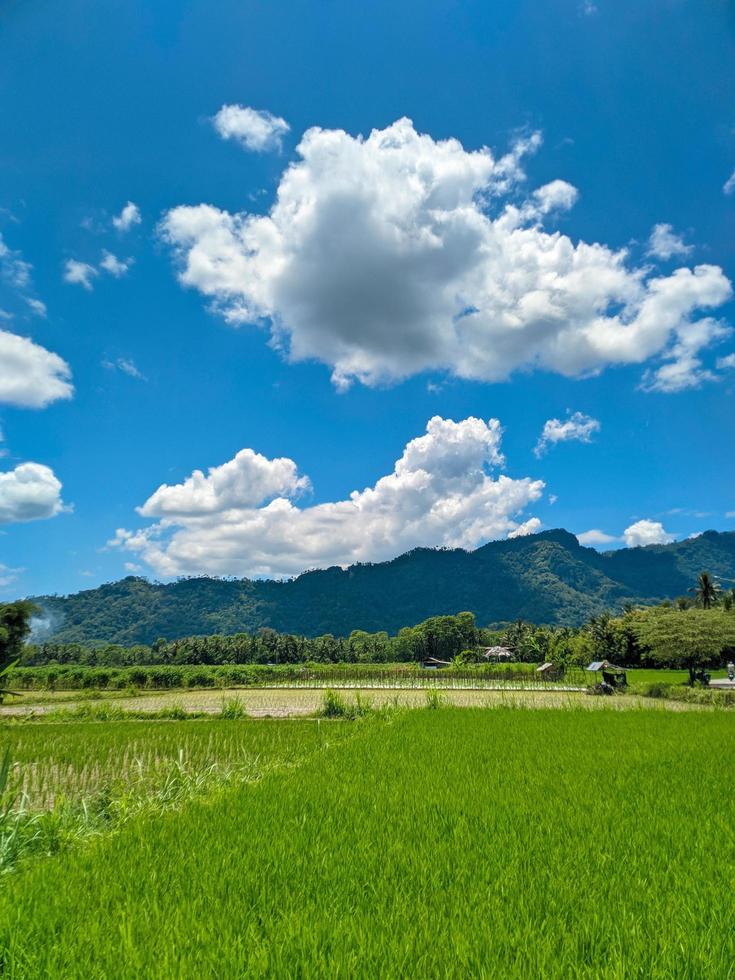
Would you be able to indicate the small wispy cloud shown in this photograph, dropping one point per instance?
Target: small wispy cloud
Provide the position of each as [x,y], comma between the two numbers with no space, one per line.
[729,186]
[9,575]
[126,365]
[79,274]
[664,243]
[576,428]
[254,129]
[128,217]
[38,308]
[84,273]
[14,270]
[115,266]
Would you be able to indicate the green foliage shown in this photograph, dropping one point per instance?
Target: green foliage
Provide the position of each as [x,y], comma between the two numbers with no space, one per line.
[233,709]
[707,591]
[686,638]
[15,627]
[440,636]
[131,681]
[336,706]
[435,699]
[544,578]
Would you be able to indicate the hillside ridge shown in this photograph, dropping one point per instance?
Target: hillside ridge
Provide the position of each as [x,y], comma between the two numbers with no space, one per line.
[547,577]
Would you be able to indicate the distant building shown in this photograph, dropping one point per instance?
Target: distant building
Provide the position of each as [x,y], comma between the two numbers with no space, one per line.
[612,675]
[432,663]
[496,654]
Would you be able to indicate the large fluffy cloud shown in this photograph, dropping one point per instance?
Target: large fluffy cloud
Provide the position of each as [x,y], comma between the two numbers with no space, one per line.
[397,253]
[244,482]
[242,519]
[30,492]
[30,375]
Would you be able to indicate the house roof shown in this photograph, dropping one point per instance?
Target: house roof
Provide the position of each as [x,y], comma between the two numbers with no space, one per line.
[496,652]
[602,665]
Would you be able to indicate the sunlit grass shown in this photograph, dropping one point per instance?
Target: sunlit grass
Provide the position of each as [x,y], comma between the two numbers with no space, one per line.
[446,842]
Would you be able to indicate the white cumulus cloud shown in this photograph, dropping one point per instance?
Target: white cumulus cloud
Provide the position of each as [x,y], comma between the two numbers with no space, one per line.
[30,492]
[664,243]
[594,537]
[128,217]
[79,273]
[115,266]
[254,129]
[242,518]
[394,254]
[244,482]
[646,532]
[531,526]
[683,367]
[576,428]
[30,375]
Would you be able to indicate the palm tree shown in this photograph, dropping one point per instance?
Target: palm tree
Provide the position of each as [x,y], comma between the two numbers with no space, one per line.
[707,591]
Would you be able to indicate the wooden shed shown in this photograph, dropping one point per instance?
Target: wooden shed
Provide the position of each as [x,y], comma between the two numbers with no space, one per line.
[608,673]
[496,654]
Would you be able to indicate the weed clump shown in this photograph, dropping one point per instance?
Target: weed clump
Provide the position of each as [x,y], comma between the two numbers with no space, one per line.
[233,709]
[435,699]
[335,706]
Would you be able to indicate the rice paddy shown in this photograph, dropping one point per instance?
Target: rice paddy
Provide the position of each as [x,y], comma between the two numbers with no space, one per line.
[449,842]
[293,702]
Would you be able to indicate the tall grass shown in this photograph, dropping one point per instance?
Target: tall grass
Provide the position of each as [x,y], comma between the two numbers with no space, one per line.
[449,843]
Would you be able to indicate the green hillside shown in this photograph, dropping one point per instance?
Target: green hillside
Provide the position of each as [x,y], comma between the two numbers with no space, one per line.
[544,578]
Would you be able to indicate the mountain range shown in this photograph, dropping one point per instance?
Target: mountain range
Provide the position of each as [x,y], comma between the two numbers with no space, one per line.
[544,578]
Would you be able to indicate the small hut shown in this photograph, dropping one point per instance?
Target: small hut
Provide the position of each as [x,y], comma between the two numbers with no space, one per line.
[433,663]
[608,673]
[495,655]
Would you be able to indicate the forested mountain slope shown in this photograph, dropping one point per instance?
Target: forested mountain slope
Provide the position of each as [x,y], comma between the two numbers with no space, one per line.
[545,578]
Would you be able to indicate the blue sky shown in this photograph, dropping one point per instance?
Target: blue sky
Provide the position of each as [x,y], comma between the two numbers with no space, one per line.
[403,279]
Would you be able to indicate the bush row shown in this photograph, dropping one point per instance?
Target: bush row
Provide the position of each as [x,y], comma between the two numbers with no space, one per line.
[73,677]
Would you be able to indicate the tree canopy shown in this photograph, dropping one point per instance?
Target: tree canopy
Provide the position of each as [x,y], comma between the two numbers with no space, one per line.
[686,638]
[15,627]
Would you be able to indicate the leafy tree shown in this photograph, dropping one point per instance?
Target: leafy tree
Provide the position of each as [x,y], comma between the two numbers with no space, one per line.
[15,627]
[689,639]
[605,637]
[707,592]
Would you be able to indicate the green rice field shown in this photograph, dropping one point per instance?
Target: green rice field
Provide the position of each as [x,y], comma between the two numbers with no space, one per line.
[436,843]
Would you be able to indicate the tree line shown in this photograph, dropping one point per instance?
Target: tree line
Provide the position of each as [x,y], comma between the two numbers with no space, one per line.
[692,632]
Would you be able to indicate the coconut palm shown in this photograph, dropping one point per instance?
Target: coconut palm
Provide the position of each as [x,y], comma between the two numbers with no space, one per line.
[707,591]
